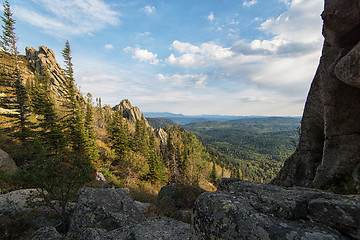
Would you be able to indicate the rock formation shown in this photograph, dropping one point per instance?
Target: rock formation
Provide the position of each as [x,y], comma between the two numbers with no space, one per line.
[329,144]
[7,164]
[42,59]
[246,210]
[113,214]
[130,112]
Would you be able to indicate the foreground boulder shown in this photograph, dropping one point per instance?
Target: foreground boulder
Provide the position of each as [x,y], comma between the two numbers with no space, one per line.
[7,164]
[246,210]
[106,209]
[329,146]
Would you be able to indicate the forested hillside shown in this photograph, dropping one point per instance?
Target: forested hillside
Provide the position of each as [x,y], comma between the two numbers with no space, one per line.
[256,146]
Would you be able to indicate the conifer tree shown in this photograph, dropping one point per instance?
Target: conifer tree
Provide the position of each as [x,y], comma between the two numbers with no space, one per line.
[16,97]
[74,118]
[213,175]
[49,131]
[119,135]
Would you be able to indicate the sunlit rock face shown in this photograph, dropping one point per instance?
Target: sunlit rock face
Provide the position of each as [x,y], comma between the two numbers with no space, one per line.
[44,59]
[329,144]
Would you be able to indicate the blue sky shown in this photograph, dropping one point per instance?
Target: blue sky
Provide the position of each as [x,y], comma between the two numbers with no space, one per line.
[228,57]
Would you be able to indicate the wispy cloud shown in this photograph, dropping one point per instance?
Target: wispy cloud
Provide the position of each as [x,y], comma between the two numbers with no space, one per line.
[68,17]
[211,17]
[249,3]
[109,46]
[184,80]
[149,10]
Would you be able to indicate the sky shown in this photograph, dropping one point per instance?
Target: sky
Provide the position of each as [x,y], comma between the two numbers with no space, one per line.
[226,57]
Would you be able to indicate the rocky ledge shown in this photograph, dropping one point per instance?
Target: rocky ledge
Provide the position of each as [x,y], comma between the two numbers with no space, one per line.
[237,210]
[246,210]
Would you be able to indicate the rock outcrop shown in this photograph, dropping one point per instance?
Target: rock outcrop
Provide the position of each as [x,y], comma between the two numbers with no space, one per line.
[130,112]
[246,210]
[7,164]
[112,214]
[330,129]
[42,59]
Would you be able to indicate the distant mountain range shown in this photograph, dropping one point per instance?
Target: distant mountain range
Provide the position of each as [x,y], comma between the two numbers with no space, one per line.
[186,119]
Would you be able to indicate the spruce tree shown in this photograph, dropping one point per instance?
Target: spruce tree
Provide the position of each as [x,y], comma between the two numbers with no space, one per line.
[74,118]
[16,96]
[49,133]
[119,136]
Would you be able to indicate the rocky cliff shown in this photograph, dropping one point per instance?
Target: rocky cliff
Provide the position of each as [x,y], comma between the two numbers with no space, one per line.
[329,146]
[130,112]
[44,59]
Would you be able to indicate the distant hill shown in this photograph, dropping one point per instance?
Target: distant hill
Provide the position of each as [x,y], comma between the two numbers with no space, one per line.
[186,119]
[258,146]
[161,122]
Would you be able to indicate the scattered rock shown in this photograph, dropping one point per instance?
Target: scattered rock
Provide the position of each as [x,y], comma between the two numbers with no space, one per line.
[107,209]
[7,164]
[246,210]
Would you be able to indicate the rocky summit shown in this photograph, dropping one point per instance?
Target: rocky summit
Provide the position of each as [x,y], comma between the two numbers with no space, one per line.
[330,129]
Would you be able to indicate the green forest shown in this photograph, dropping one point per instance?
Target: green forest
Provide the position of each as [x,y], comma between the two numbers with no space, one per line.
[255,147]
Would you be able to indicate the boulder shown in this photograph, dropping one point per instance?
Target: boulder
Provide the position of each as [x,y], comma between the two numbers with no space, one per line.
[161,228]
[48,233]
[107,209]
[22,204]
[179,195]
[330,129]
[7,164]
[246,210]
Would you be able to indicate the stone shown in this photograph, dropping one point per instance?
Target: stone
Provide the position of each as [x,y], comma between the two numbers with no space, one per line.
[179,195]
[330,128]
[48,233]
[161,228]
[162,136]
[7,164]
[246,210]
[107,209]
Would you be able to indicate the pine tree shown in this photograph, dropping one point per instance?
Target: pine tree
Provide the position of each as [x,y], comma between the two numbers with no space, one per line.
[119,136]
[74,118]
[49,132]
[213,175]
[16,96]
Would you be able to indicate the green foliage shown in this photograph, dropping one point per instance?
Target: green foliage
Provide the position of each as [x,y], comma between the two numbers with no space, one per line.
[185,157]
[257,146]
[15,97]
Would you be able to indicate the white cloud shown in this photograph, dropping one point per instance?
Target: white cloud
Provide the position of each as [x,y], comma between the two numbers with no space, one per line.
[204,55]
[249,3]
[64,17]
[184,80]
[149,10]
[143,55]
[211,16]
[109,46]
